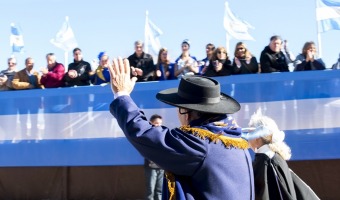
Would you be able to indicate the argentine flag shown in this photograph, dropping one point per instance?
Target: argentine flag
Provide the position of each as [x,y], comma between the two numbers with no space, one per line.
[328,15]
[16,39]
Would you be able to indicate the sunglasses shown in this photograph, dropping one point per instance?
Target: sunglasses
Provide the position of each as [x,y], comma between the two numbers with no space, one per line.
[220,52]
[210,48]
[240,49]
[183,112]
[11,63]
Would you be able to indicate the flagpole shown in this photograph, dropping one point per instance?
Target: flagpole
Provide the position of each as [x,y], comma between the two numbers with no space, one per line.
[227,38]
[318,32]
[146,28]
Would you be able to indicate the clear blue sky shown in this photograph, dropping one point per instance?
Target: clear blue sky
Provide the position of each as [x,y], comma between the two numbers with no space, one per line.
[113,26]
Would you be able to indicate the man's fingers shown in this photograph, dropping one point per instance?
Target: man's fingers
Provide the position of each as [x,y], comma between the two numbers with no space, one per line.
[111,68]
[116,66]
[121,65]
[127,66]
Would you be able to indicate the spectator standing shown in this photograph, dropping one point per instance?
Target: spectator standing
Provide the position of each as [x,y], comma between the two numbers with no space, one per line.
[272,58]
[153,173]
[102,74]
[244,62]
[165,70]
[7,75]
[143,62]
[204,63]
[185,63]
[78,73]
[52,76]
[308,60]
[220,64]
[27,78]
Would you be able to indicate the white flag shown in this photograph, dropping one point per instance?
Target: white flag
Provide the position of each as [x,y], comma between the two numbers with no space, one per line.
[236,27]
[65,39]
[328,15]
[16,39]
[152,44]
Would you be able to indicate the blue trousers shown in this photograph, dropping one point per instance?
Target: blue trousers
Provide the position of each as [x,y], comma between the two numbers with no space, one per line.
[154,183]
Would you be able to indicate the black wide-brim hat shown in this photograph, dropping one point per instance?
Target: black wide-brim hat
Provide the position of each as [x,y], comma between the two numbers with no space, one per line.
[201,94]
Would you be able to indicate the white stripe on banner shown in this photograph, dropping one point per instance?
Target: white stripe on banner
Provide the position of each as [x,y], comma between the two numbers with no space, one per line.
[289,115]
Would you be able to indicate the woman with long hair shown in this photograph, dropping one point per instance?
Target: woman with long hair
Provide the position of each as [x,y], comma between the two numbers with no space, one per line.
[244,62]
[220,64]
[308,60]
[165,70]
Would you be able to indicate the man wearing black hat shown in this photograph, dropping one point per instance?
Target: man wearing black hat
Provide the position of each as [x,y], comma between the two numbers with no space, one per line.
[205,158]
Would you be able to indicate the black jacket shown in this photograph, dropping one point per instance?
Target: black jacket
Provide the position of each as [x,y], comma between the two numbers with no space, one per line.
[83,69]
[272,61]
[145,63]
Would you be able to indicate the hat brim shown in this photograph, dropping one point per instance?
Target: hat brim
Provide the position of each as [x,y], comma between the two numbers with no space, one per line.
[227,104]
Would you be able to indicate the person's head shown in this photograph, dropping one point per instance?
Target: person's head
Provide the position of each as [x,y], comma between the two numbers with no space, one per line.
[185,45]
[163,56]
[220,54]
[77,54]
[51,60]
[241,51]
[209,49]
[263,130]
[139,47]
[156,120]
[104,60]
[275,43]
[198,97]
[309,47]
[29,63]
[12,63]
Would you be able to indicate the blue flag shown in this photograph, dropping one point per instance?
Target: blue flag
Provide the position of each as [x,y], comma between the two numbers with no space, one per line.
[328,15]
[16,39]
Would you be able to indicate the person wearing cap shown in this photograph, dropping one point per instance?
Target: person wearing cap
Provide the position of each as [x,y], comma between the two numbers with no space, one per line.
[101,75]
[205,158]
[185,63]
[273,178]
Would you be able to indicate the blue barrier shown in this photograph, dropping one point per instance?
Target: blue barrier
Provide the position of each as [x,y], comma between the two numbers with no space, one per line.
[73,127]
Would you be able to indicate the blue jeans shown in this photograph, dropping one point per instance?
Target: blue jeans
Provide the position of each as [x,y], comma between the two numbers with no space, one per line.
[154,183]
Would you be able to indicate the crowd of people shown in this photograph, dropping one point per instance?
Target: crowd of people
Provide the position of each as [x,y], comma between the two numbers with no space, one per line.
[275,57]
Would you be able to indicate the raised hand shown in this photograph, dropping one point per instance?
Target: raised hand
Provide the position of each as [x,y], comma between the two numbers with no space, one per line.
[120,76]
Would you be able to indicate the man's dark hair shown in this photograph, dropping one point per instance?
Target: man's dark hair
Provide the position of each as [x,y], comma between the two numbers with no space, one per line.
[275,37]
[76,49]
[155,116]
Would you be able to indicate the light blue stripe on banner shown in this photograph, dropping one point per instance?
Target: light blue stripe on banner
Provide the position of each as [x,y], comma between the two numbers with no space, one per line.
[305,144]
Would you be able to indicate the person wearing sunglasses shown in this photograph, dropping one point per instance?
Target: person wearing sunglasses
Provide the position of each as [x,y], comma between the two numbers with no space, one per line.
[244,62]
[219,65]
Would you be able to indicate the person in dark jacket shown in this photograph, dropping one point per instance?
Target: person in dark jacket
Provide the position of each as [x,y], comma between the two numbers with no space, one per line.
[78,72]
[220,64]
[143,62]
[273,178]
[272,58]
[244,61]
[307,60]
[205,158]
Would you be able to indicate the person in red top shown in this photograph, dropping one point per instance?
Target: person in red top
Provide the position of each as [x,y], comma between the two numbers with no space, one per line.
[52,75]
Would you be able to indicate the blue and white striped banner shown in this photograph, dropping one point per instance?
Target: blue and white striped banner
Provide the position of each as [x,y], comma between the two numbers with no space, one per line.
[73,126]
